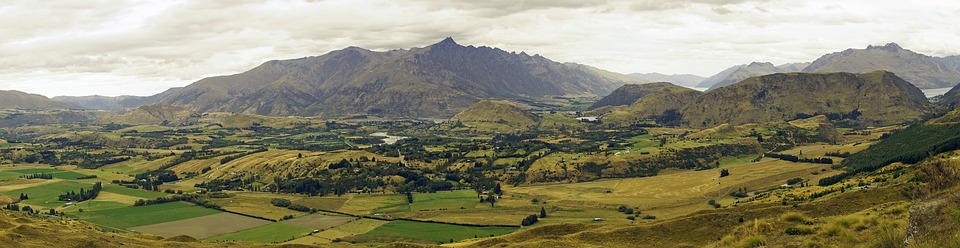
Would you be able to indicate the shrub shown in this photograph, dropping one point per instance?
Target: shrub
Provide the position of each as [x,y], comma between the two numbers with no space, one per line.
[799,230]
[713,203]
[280,202]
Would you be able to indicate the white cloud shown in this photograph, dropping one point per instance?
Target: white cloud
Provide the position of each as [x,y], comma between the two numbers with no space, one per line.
[140,47]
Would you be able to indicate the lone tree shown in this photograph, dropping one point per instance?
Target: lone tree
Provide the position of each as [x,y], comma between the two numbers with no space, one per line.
[543,213]
[491,199]
[409,197]
[724,172]
[497,190]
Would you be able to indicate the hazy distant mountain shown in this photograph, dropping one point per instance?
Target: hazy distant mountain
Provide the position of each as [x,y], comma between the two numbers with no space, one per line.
[688,80]
[921,70]
[10,99]
[435,81]
[794,67]
[876,97]
[952,61]
[710,81]
[752,70]
[116,103]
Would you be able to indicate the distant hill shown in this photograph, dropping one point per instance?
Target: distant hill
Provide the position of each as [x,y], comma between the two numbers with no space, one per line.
[157,114]
[439,80]
[496,115]
[921,70]
[752,70]
[688,80]
[627,94]
[12,99]
[116,103]
[662,105]
[873,98]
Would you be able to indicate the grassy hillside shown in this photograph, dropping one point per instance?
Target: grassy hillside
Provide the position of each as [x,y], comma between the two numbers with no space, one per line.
[496,116]
[11,99]
[662,106]
[868,99]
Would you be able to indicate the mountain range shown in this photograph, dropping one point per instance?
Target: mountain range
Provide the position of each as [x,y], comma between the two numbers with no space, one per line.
[924,71]
[435,81]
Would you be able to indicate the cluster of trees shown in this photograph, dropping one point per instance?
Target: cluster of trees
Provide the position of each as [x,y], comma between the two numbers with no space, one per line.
[724,172]
[838,154]
[530,220]
[740,193]
[795,159]
[83,195]
[38,176]
[908,146]
[284,203]
[192,198]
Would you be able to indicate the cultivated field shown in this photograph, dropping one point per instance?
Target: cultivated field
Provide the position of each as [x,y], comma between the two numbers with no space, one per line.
[127,217]
[204,226]
[320,221]
[270,233]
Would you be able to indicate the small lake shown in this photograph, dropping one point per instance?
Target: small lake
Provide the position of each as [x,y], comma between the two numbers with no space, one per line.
[388,139]
[934,92]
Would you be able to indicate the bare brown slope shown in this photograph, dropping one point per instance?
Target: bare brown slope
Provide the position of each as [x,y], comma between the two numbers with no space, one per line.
[872,98]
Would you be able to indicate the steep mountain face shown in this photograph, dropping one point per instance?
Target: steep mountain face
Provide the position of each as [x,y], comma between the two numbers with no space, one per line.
[627,94]
[439,80]
[752,70]
[116,103]
[688,80]
[664,105]
[10,99]
[496,113]
[921,70]
[876,97]
[951,98]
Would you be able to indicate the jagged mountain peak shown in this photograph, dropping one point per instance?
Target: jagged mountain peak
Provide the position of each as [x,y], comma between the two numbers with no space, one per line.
[892,46]
[447,41]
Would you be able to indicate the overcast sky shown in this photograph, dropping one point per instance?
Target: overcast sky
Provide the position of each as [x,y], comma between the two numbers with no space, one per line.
[113,47]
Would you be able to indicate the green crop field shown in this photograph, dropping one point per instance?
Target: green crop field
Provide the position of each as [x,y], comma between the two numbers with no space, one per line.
[444,200]
[275,232]
[61,174]
[46,195]
[9,175]
[94,205]
[132,192]
[122,218]
[433,231]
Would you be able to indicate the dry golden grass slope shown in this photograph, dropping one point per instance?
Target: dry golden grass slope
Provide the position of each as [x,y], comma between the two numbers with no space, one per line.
[499,113]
